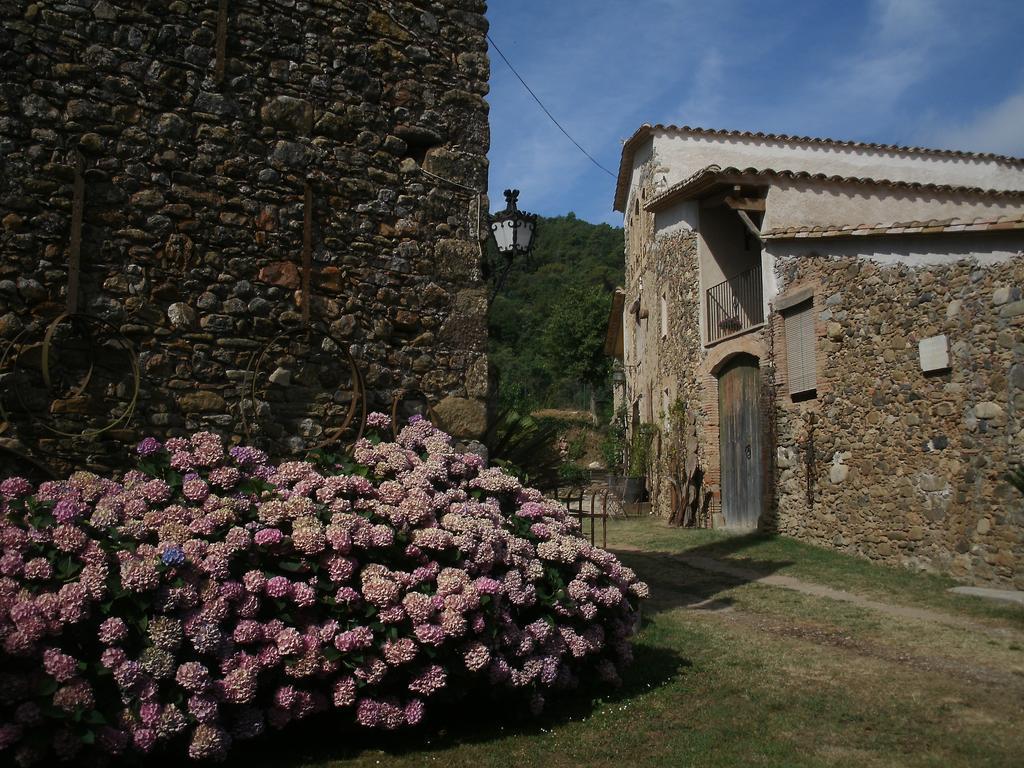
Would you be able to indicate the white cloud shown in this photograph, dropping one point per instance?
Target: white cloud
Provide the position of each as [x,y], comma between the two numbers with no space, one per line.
[703,105]
[999,129]
[895,53]
[897,19]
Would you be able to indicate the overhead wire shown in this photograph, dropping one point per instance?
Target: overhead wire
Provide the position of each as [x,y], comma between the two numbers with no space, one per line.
[546,110]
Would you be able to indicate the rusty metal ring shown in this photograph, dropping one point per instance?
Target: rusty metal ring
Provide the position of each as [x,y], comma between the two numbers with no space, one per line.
[399,398]
[12,344]
[358,389]
[43,469]
[84,320]
[51,329]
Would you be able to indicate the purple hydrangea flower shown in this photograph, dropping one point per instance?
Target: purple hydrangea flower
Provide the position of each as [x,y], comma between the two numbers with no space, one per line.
[378,420]
[14,487]
[148,447]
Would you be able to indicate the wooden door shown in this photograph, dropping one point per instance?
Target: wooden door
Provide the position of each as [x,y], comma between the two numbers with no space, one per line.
[739,428]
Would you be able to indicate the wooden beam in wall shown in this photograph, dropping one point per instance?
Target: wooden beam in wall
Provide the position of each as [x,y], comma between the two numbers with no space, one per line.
[307,253]
[75,249]
[222,40]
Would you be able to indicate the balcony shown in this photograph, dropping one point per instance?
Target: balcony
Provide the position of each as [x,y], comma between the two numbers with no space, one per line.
[735,305]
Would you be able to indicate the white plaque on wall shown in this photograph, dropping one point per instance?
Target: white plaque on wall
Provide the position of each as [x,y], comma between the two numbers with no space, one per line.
[934,352]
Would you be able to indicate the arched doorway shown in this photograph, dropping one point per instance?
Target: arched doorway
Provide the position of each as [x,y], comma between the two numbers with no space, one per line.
[740,441]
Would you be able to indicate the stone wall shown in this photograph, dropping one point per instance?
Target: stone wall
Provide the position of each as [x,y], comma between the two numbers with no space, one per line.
[213,156]
[657,359]
[669,268]
[909,467]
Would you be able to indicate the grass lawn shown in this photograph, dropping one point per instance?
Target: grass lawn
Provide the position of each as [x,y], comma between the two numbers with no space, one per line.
[731,673]
[778,554]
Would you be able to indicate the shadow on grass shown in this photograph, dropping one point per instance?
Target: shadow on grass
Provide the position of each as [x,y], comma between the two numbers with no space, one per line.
[477,718]
[696,578]
[733,544]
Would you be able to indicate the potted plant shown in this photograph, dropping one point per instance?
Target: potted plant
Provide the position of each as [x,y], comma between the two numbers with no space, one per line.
[730,324]
[613,447]
[638,462]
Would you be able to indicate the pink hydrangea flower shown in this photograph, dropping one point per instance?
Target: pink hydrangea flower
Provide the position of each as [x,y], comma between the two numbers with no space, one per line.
[268,537]
[15,488]
[362,569]
[279,587]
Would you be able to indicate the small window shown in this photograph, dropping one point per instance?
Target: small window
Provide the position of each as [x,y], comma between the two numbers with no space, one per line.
[801,344]
[664,315]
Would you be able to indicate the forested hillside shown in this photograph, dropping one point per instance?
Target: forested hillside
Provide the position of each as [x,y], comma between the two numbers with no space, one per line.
[547,324]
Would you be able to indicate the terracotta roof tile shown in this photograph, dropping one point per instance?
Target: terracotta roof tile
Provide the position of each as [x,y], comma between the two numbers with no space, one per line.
[705,178]
[1014,221]
[630,144]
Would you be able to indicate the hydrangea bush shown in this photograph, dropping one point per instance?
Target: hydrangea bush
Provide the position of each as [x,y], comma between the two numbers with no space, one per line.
[210,595]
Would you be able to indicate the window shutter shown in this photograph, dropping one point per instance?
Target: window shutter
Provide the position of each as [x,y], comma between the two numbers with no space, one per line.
[801,344]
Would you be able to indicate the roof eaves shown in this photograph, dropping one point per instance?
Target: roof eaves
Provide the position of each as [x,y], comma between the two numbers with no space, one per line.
[711,175]
[645,130]
[614,331]
[1012,222]
[625,166]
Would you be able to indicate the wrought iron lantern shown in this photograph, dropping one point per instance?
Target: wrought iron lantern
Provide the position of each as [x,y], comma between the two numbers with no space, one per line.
[513,233]
[513,229]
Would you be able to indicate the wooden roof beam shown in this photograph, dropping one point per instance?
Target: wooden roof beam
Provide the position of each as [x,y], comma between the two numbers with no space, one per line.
[749,223]
[719,198]
[746,203]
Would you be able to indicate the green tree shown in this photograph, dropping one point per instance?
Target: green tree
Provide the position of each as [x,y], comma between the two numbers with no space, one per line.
[570,253]
[573,338]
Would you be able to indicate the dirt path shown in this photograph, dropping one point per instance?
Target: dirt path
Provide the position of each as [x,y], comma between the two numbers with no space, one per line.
[820,590]
[745,575]
[673,588]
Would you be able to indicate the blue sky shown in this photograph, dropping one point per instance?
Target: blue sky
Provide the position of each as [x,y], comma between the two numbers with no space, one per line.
[941,73]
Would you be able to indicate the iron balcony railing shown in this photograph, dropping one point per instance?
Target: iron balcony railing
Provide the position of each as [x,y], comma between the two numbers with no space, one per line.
[735,305]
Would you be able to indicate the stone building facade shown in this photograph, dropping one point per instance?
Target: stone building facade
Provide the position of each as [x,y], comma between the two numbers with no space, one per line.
[238,215]
[843,326]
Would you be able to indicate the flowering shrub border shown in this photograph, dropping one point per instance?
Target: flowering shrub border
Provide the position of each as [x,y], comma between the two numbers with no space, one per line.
[211,595]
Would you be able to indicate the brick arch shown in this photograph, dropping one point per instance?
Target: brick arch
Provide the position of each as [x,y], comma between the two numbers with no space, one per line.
[721,354]
[715,359]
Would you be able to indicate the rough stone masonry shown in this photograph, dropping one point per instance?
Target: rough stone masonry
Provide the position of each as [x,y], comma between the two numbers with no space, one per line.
[228,196]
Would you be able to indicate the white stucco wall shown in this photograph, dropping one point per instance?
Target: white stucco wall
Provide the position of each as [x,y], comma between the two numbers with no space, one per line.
[684,155]
[983,248]
[798,204]
[676,218]
[642,155]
